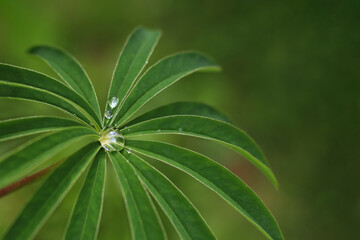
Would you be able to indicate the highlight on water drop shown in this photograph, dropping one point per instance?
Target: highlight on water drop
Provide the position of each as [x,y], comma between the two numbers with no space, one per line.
[113,102]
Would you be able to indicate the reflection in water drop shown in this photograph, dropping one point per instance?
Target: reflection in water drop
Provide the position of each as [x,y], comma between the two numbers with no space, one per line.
[112,141]
[113,102]
[108,114]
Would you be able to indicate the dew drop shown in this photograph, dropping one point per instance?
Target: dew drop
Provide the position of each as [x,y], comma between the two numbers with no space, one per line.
[180,129]
[146,62]
[158,130]
[112,140]
[108,114]
[128,151]
[113,102]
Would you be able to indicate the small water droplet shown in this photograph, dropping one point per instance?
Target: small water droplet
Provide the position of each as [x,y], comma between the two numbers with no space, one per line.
[108,114]
[158,130]
[113,102]
[128,151]
[146,62]
[180,129]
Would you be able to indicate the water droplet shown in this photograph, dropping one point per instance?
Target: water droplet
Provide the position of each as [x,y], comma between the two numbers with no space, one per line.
[128,151]
[113,102]
[146,62]
[112,140]
[108,114]
[180,129]
[158,130]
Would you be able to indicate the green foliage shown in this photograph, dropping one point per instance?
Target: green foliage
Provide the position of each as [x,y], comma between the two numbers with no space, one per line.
[128,92]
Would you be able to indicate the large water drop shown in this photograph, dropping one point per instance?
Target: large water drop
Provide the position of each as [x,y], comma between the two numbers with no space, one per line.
[113,102]
[112,140]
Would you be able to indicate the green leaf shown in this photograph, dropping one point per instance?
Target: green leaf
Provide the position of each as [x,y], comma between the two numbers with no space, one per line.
[19,127]
[144,220]
[133,58]
[30,155]
[85,219]
[207,128]
[70,70]
[183,215]
[160,76]
[46,86]
[18,91]
[50,194]
[217,178]
[181,108]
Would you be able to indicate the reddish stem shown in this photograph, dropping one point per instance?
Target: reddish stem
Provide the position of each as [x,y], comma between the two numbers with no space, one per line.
[26,180]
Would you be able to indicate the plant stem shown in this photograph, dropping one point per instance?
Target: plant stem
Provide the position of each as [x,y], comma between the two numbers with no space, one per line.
[26,180]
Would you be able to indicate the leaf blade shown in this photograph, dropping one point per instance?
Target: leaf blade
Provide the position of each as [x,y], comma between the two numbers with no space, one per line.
[183,215]
[181,108]
[207,128]
[17,91]
[70,70]
[158,77]
[144,221]
[19,127]
[49,195]
[85,218]
[216,177]
[132,60]
[25,158]
[24,77]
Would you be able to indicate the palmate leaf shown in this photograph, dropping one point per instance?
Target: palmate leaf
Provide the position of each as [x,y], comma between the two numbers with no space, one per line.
[46,90]
[70,70]
[85,219]
[22,160]
[160,76]
[207,128]
[20,127]
[133,58]
[183,215]
[138,179]
[144,219]
[217,178]
[48,197]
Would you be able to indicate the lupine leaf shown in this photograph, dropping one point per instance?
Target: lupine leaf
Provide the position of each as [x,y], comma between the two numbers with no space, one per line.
[144,220]
[70,70]
[14,74]
[133,58]
[183,215]
[18,91]
[217,178]
[207,128]
[19,127]
[85,219]
[50,194]
[181,108]
[160,76]
[30,155]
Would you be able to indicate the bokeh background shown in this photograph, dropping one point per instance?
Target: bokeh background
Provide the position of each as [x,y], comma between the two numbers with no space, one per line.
[291,79]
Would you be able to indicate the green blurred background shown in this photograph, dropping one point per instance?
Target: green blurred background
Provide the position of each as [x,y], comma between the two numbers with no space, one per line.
[290,79]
